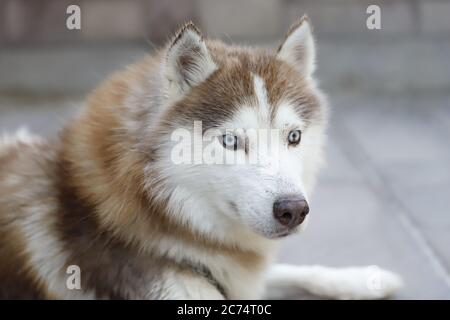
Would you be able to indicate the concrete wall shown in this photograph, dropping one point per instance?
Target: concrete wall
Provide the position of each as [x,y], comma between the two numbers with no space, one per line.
[43,21]
[39,55]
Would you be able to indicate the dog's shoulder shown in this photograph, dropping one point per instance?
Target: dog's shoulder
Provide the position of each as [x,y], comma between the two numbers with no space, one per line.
[26,165]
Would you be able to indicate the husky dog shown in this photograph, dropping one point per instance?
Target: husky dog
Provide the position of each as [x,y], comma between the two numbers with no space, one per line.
[108,197]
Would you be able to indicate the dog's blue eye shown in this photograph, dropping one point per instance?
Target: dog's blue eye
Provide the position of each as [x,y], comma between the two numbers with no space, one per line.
[294,137]
[229,141]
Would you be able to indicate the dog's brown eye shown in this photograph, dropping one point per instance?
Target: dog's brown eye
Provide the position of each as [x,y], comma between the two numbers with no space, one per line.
[294,137]
[230,141]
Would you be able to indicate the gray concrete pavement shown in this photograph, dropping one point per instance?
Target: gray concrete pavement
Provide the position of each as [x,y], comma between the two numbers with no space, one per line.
[382,199]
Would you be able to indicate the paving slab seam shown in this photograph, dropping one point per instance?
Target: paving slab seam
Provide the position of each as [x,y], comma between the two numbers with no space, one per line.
[375,179]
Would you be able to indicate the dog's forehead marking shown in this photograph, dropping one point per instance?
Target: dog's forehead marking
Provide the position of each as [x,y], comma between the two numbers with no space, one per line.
[262,114]
[283,114]
[261,98]
[256,113]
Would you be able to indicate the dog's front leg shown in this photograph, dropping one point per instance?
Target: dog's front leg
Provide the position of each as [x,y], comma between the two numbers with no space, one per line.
[288,282]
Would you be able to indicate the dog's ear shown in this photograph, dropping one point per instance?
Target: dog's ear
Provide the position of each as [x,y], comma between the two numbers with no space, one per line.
[298,48]
[187,60]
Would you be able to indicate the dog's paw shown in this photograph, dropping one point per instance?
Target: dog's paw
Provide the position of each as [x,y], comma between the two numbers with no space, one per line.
[331,283]
[366,283]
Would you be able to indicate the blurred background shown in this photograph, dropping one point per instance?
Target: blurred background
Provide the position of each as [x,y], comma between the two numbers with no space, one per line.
[384,197]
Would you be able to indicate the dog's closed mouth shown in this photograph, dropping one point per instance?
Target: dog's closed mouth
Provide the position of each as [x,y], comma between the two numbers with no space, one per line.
[283,234]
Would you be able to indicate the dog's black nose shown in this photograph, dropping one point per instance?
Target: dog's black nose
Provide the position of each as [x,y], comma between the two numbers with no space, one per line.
[290,211]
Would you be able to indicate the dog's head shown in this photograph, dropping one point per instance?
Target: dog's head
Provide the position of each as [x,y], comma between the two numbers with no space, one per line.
[239,141]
